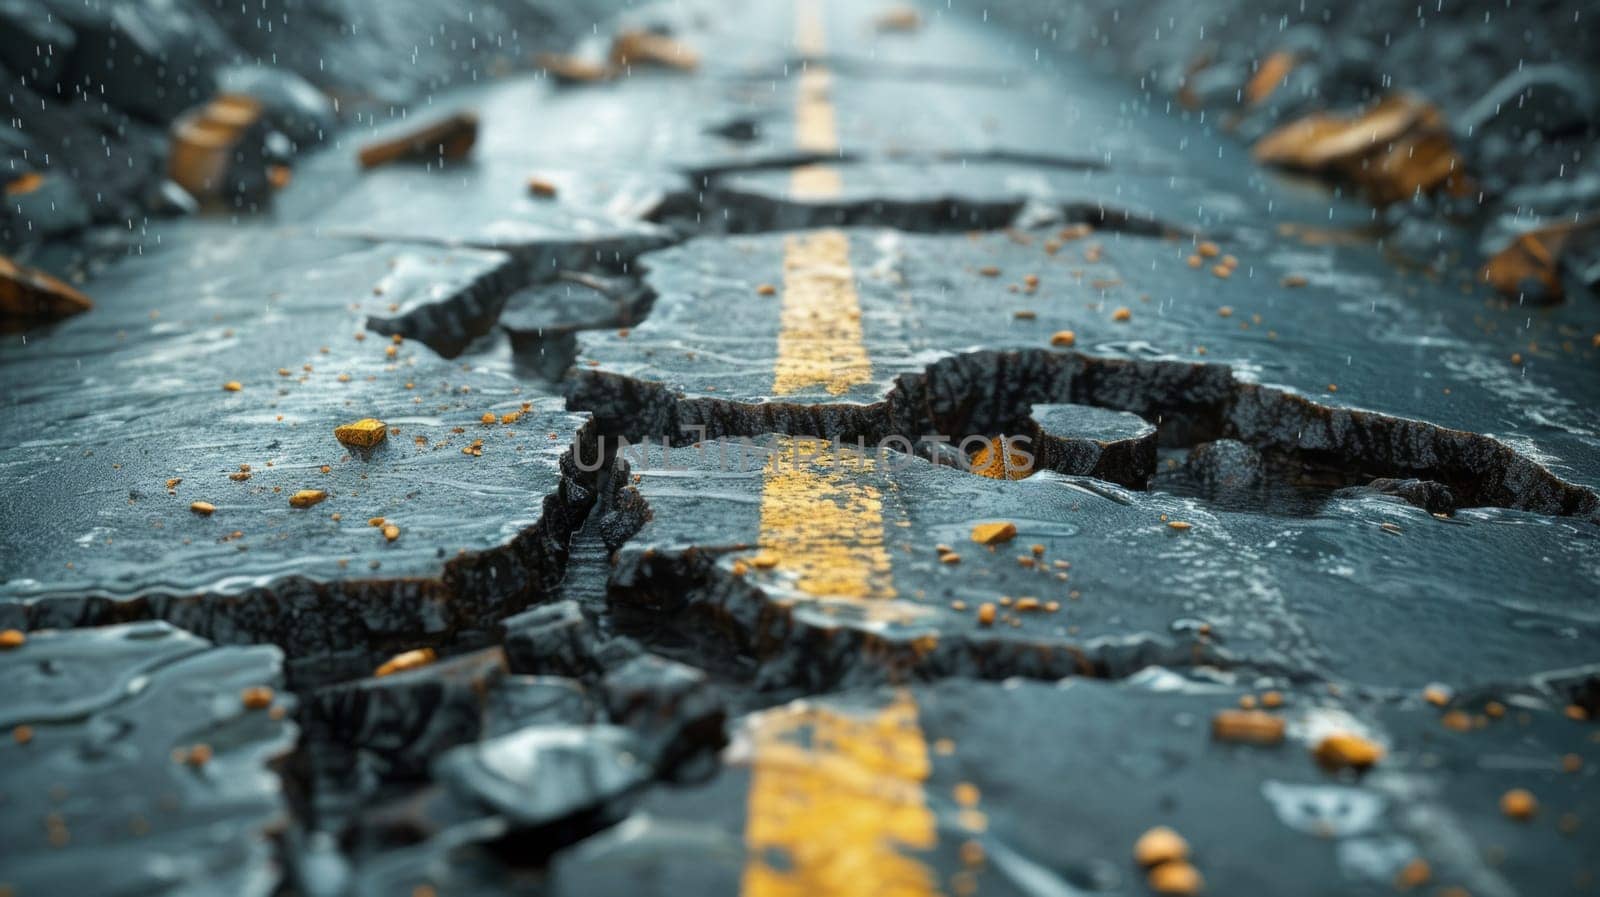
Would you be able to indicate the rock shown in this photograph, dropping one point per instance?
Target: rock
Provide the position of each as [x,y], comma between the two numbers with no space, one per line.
[1081,440]
[1393,150]
[220,152]
[543,321]
[388,730]
[151,60]
[51,206]
[567,69]
[448,139]
[29,297]
[672,708]
[1435,498]
[643,47]
[551,640]
[1552,100]
[1530,268]
[1224,464]
[145,766]
[521,701]
[34,43]
[291,103]
[540,775]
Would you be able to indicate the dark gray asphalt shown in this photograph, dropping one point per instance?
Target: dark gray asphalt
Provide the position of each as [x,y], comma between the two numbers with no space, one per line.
[792,676]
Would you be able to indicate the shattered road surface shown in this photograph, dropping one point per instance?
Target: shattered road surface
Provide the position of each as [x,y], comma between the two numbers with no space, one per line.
[865,463]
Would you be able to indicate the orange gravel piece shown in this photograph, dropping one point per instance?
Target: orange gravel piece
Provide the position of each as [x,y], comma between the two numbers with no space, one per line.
[1160,845]
[1344,749]
[994,533]
[364,433]
[407,660]
[1247,727]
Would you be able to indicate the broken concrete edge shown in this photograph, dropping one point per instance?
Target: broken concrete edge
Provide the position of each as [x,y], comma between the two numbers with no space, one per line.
[747,212]
[1191,402]
[732,613]
[448,326]
[340,629]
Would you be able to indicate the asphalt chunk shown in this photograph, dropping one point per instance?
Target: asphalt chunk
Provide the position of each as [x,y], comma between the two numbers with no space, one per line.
[112,711]
[483,535]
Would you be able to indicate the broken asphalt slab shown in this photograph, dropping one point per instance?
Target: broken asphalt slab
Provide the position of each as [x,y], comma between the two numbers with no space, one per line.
[130,416]
[147,763]
[956,788]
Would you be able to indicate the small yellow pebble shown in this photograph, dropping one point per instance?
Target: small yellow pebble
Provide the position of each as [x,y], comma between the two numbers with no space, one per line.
[305,498]
[364,433]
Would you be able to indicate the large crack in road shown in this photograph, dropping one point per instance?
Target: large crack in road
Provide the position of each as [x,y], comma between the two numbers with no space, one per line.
[831,476]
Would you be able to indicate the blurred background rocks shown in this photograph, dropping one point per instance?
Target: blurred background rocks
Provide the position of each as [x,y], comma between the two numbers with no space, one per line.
[93,89]
[1515,84]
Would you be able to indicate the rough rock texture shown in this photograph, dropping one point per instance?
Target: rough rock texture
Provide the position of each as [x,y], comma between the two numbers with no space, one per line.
[1524,113]
[91,86]
[1286,463]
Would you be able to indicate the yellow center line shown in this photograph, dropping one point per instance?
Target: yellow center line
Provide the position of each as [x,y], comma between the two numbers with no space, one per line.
[819,336]
[836,804]
[836,800]
[816,130]
[823,523]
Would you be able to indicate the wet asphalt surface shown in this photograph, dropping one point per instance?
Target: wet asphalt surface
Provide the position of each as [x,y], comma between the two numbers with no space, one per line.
[671,638]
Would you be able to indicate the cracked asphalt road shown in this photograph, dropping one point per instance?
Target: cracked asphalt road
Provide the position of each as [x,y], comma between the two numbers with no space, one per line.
[609,610]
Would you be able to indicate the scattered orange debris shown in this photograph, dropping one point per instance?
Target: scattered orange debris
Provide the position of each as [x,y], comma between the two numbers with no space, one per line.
[1530,263]
[634,47]
[1415,874]
[1247,726]
[30,296]
[1063,338]
[204,143]
[999,461]
[364,433]
[12,638]
[1393,149]
[1177,879]
[203,508]
[24,185]
[451,137]
[1519,804]
[305,498]
[407,660]
[1160,845]
[766,289]
[994,533]
[541,188]
[571,69]
[1344,749]
[1122,314]
[257,697]
[898,18]
[391,532]
[1273,70]
[233,386]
